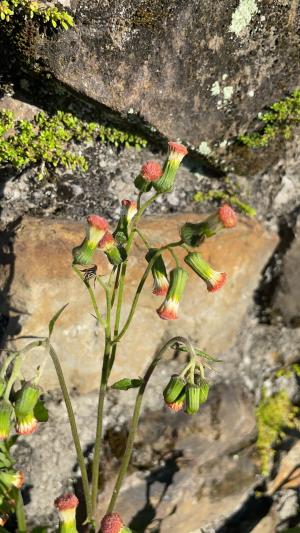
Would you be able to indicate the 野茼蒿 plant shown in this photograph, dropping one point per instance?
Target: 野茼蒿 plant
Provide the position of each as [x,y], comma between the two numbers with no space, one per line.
[186,390]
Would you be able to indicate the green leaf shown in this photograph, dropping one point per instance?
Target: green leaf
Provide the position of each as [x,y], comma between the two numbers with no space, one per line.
[41,412]
[40,529]
[127,383]
[198,352]
[55,318]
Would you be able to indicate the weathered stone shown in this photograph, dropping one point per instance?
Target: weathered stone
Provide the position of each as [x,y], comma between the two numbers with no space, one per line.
[287,297]
[198,72]
[288,475]
[43,282]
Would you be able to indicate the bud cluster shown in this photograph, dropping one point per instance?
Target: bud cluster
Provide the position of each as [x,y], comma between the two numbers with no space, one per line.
[188,394]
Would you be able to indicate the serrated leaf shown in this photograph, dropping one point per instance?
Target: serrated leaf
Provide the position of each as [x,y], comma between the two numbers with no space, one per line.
[41,412]
[55,318]
[127,383]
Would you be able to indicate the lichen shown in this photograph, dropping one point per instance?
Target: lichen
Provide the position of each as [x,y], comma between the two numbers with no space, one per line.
[274,415]
[215,89]
[228,92]
[278,119]
[204,149]
[242,16]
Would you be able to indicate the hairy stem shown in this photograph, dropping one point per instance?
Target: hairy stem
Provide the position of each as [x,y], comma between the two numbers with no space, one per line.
[20,513]
[75,435]
[136,415]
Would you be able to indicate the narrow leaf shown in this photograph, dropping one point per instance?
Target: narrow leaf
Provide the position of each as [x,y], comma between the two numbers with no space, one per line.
[127,383]
[55,318]
[41,412]
[198,352]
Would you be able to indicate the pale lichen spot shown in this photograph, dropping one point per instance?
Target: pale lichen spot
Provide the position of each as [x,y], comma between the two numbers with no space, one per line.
[204,149]
[224,77]
[223,144]
[215,88]
[250,93]
[242,16]
[228,92]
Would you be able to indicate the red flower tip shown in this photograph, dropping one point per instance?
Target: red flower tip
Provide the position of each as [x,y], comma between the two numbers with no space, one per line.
[215,285]
[160,291]
[106,241]
[130,204]
[3,519]
[97,222]
[151,171]
[20,479]
[27,425]
[176,147]
[227,216]
[175,406]
[111,523]
[66,502]
[168,310]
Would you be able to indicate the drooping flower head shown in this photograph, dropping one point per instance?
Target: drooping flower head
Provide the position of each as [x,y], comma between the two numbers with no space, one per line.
[12,479]
[66,506]
[159,274]
[194,234]
[6,411]
[26,401]
[169,308]
[116,254]
[95,230]
[176,154]
[214,280]
[192,398]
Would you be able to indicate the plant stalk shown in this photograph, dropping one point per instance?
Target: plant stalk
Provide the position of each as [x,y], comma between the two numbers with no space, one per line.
[20,513]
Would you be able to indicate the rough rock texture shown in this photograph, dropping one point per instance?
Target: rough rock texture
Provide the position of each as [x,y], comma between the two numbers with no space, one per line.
[198,72]
[43,282]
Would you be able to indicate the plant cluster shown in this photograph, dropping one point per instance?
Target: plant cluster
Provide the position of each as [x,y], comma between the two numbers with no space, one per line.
[280,119]
[43,12]
[186,390]
[274,415]
[230,195]
[48,142]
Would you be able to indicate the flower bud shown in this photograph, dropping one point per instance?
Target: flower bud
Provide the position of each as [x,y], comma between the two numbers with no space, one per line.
[12,479]
[204,388]
[174,388]
[194,234]
[192,398]
[6,411]
[27,398]
[159,273]
[175,156]
[177,405]
[66,506]
[150,172]
[96,228]
[111,523]
[169,308]
[115,254]
[214,280]
[129,210]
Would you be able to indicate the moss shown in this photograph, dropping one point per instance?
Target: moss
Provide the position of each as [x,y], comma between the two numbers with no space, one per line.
[273,416]
[48,142]
[288,372]
[43,12]
[278,120]
[229,195]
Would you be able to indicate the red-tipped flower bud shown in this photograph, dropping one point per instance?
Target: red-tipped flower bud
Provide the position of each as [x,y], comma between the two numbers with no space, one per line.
[111,523]
[227,216]
[159,273]
[96,228]
[115,254]
[177,404]
[26,401]
[175,156]
[66,506]
[3,519]
[194,234]
[174,388]
[214,280]
[129,209]
[150,172]
[169,308]
[6,411]
[12,479]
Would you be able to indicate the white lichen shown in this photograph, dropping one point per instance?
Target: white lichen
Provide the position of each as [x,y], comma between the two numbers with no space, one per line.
[228,92]
[242,16]
[215,88]
[204,149]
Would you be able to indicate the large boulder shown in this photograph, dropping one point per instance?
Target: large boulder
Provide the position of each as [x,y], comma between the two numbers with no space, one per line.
[41,281]
[198,71]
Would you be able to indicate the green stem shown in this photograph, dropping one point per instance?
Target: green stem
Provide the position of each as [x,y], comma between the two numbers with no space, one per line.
[75,435]
[136,416]
[139,290]
[174,256]
[20,513]
[92,296]
[14,375]
[6,363]
[97,449]
[140,234]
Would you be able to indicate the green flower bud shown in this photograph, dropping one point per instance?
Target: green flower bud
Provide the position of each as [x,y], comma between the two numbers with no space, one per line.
[169,308]
[174,388]
[6,411]
[116,254]
[96,228]
[194,234]
[159,273]
[192,398]
[2,386]
[26,401]
[204,388]
[175,156]
[214,280]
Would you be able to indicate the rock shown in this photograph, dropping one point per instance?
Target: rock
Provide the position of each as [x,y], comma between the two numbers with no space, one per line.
[266,525]
[200,73]
[288,475]
[43,282]
[287,297]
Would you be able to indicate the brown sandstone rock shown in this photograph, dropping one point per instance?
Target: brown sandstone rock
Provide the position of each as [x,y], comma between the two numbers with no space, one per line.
[43,282]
